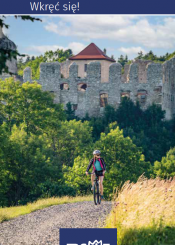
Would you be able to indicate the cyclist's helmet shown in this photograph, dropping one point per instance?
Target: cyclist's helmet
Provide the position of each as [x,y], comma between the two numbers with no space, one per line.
[96,152]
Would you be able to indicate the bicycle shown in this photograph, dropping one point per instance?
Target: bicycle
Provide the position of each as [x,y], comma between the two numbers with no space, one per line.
[96,192]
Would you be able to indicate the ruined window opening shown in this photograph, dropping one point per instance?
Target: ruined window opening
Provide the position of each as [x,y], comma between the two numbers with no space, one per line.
[85,67]
[142,96]
[52,92]
[103,100]
[64,86]
[74,107]
[125,94]
[82,87]
[158,89]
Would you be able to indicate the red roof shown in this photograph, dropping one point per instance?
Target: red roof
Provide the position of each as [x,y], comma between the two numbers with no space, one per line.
[91,52]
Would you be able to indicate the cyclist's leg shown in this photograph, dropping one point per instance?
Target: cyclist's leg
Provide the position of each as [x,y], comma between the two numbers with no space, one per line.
[101,184]
[92,179]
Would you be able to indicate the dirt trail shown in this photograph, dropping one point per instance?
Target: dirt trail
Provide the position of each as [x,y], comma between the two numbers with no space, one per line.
[42,227]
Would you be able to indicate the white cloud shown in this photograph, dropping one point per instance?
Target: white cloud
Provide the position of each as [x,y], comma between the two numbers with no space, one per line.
[129,29]
[43,48]
[75,46]
[132,50]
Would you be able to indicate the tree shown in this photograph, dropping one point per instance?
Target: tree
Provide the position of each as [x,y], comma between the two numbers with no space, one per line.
[28,103]
[4,173]
[59,55]
[166,168]
[27,59]
[123,60]
[140,55]
[71,140]
[29,164]
[124,160]
[75,176]
[128,114]
[70,113]
[6,54]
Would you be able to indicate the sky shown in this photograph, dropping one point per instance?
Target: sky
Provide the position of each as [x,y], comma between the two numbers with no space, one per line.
[119,34]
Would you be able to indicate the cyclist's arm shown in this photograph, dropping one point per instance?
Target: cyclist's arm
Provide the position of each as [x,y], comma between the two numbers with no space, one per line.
[90,164]
[104,165]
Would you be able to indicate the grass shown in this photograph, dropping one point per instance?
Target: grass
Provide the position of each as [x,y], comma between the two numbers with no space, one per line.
[144,213]
[12,212]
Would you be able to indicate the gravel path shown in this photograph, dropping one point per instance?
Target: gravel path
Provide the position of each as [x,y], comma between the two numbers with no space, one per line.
[42,227]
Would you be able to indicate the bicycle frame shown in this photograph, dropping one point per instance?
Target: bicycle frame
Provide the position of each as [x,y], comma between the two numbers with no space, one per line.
[96,192]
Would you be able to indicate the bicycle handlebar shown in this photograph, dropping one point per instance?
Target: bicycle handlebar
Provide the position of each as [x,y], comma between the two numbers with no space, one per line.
[94,172]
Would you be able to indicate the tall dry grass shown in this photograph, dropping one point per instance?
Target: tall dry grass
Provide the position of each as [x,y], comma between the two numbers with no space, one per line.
[12,212]
[144,212]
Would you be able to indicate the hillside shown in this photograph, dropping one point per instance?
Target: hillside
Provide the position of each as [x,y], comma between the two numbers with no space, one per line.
[144,213]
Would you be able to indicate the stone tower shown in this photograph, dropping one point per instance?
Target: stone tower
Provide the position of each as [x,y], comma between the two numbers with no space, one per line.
[7,44]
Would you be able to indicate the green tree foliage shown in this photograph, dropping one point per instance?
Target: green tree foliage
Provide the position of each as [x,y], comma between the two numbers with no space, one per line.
[124,161]
[75,176]
[43,154]
[151,56]
[123,60]
[129,114]
[71,140]
[147,129]
[4,173]
[28,103]
[29,165]
[166,168]
[70,112]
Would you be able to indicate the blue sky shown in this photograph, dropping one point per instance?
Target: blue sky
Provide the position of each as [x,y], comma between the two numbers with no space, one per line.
[119,34]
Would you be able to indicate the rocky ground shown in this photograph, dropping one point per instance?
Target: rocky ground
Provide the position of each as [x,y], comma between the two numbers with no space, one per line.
[42,227]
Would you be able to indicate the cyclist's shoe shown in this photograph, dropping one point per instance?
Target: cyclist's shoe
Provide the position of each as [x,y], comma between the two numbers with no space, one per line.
[102,197]
[92,188]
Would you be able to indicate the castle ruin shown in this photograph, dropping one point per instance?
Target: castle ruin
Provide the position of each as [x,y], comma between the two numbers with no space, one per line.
[143,81]
[91,80]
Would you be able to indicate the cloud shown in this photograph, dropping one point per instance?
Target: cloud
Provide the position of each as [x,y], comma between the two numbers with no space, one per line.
[128,29]
[43,48]
[131,50]
[75,46]
[88,26]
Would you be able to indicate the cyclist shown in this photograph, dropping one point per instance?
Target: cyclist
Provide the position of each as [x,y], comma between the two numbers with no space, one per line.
[99,168]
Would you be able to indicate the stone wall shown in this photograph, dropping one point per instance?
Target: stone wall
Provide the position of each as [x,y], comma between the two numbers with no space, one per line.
[81,68]
[142,70]
[168,91]
[65,68]
[90,95]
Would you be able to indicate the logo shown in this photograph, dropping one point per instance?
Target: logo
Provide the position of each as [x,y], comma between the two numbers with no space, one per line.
[91,243]
[88,236]
[95,243]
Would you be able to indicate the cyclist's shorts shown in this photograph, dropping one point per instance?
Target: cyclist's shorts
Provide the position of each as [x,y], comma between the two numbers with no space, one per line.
[99,173]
